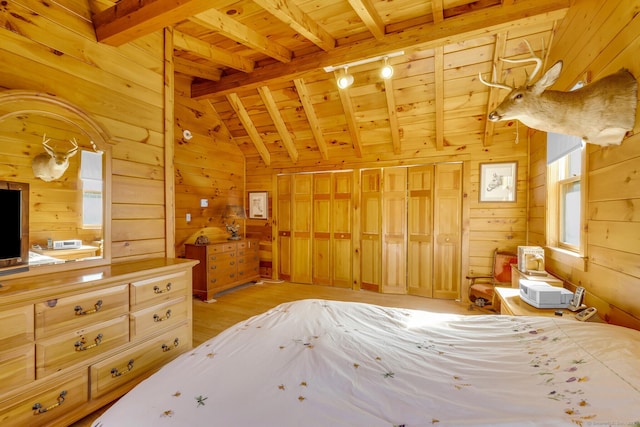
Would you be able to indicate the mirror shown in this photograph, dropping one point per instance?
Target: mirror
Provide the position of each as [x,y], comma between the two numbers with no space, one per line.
[64,157]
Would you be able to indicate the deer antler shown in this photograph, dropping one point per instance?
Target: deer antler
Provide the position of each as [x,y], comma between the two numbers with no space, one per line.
[494,83]
[533,58]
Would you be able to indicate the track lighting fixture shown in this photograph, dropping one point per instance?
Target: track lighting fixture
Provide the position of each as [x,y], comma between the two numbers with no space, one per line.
[386,72]
[345,79]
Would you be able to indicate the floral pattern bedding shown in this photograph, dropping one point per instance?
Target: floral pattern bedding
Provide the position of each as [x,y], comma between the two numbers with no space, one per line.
[329,363]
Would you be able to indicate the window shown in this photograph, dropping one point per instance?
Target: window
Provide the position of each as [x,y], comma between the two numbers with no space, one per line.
[91,181]
[565,187]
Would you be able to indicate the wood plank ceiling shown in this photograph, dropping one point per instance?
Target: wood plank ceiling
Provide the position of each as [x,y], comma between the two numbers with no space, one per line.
[260,65]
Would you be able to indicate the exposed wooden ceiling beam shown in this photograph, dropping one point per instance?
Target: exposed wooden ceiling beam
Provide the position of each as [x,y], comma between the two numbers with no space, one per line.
[131,19]
[450,31]
[299,21]
[437,10]
[439,86]
[352,125]
[196,69]
[246,121]
[229,27]
[393,115]
[494,93]
[310,112]
[278,121]
[210,52]
[367,12]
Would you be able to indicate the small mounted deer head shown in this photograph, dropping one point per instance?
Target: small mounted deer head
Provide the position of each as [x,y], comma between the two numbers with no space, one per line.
[51,165]
[600,113]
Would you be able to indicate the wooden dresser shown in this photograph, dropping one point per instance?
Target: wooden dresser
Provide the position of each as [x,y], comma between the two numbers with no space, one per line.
[223,265]
[73,341]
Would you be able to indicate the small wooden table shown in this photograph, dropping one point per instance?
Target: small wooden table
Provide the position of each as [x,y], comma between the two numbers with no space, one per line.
[517,274]
[511,304]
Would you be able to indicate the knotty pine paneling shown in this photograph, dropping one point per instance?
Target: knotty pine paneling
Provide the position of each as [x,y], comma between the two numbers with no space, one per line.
[50,47]
[209,166]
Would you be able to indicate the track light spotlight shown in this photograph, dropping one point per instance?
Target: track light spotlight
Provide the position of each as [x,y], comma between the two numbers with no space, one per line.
[345,80]
[386,72]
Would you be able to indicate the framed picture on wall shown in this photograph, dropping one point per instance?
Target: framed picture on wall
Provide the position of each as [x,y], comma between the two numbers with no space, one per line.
[498,182]
[258,204]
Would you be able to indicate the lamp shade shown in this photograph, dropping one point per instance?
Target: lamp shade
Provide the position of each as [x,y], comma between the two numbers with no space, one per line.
[345,80]
[232,212]
[386,72]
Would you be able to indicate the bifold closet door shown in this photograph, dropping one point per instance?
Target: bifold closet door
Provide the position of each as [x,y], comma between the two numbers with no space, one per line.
[284,227]
[447,230]
[420,231]
[370,230]
[394,230]
[301,223]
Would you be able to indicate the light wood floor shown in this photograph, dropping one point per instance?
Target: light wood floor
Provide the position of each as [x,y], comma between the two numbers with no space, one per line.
[209,319]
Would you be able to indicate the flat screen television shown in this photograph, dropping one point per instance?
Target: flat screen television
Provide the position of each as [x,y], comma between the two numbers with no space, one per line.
[14,226]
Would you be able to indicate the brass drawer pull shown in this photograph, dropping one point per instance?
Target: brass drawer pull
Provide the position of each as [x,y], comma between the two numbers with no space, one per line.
[165,347]
[157,290]
[80,345]
[157,318]
[38,409]
[96,308]
[116,373]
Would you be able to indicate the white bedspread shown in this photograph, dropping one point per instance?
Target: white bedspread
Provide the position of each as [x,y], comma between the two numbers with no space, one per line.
[328,363]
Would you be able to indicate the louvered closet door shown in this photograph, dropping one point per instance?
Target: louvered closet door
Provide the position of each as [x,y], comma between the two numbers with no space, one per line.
[447,216]
[284,227]
[322,183]
[301,255]
[370,230]
[420,231]
[394,228]
[341,220]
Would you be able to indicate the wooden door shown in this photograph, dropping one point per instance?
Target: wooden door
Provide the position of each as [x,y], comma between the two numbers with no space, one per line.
[394,227]
[284,227]
[447,214]
[302,211]
[370,230]
[420,231]
[341,223]
[322,183]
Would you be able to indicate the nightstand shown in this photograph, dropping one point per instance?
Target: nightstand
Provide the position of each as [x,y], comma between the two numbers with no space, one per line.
[510,303]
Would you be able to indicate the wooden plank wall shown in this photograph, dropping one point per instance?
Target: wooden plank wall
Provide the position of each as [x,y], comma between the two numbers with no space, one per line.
[50,47]
[596,39]
[208,166]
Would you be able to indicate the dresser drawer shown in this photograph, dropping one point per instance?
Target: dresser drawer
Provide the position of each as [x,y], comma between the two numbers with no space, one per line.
[55,353]
[78,311]
[157,289]
[119,370]
[222,247]
[16,366]
[43,406]
[158,317]
[17,326]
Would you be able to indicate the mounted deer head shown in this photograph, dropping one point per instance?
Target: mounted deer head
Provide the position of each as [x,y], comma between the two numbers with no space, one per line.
[600,113]
[52,165]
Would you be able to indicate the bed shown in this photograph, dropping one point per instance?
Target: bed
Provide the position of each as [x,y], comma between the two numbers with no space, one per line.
[329,363]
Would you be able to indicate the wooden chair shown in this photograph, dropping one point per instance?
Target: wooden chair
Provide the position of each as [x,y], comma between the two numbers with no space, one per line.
[481,287]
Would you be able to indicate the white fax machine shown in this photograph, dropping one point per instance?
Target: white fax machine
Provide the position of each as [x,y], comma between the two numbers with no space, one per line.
[542,295]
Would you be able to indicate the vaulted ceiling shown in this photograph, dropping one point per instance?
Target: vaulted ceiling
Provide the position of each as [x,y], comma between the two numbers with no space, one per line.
[260,65]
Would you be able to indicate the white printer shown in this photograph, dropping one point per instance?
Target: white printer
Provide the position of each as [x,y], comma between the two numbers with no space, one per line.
[542,295]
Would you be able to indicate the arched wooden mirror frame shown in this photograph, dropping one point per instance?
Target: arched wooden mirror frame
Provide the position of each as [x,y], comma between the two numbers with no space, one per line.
[16,103]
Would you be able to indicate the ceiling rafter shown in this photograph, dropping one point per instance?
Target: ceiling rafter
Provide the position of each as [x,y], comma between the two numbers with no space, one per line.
[246,121]
[192,68]
[439,86]
[229,27]
[130,19]
[494,93]
[393,115]
[368,14]
[352,125]
[310,112]
[437,10]
[278,121]
[210,52]
[299,21]
[452,30]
